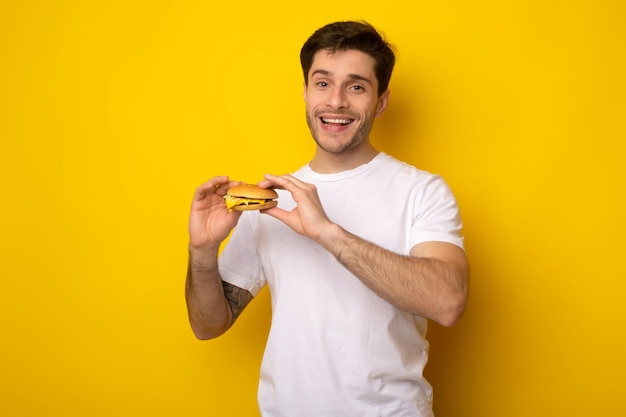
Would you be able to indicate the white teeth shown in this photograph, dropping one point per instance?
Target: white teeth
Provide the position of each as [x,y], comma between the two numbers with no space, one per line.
[336,121]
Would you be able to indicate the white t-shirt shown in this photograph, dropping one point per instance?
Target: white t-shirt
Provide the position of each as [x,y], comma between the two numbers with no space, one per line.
[336,348]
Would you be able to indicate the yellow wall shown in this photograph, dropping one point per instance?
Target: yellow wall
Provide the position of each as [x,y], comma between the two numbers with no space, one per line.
[112,113]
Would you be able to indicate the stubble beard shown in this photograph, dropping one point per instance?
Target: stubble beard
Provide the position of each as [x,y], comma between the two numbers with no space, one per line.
[337,147]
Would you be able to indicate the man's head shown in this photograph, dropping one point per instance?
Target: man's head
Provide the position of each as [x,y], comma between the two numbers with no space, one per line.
[343,36]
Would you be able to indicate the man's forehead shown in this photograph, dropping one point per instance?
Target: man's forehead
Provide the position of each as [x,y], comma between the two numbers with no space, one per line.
[360,64]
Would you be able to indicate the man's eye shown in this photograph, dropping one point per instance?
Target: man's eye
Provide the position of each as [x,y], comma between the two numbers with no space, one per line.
[322,84]
[357,87]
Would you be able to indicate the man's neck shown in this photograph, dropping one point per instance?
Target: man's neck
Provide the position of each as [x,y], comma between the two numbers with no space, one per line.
[329,163]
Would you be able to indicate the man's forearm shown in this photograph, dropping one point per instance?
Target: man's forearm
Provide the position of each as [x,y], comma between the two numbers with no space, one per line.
[424,286]
[209,312]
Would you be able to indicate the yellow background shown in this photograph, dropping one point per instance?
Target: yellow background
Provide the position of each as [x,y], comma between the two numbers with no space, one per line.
[111,113]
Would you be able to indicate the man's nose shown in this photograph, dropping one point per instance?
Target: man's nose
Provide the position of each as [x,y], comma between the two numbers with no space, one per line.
[337,99]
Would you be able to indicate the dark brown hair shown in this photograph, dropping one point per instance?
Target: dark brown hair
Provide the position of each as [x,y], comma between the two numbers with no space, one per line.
[343,36]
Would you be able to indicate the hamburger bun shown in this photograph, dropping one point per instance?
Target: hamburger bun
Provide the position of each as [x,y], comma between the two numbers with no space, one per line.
[245,197]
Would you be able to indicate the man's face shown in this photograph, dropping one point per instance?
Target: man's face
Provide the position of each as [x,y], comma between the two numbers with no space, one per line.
[342,100]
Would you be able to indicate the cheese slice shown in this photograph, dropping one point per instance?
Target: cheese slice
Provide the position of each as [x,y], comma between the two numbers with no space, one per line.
[235,201]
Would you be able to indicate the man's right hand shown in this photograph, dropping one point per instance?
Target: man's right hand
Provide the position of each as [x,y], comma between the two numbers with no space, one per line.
[210,222]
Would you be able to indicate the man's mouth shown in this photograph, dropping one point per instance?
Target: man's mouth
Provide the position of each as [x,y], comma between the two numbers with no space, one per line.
[333,121]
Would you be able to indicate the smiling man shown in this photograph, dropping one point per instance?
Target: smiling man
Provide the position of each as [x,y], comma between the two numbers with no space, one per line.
[342,101]
[353,285]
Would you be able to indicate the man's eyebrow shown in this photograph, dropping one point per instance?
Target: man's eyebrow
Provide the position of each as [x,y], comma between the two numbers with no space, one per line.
[355,77]
[321,71]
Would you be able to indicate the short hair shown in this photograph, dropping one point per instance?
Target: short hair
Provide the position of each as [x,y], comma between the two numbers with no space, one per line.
[348,35]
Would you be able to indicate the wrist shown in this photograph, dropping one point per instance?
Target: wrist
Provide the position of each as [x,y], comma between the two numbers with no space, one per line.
[333,238]
[203,256]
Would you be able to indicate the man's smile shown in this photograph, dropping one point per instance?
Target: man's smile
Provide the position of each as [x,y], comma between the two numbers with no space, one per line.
[335,121]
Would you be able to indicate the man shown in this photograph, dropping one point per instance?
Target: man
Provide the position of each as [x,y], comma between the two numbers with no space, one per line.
[360,252]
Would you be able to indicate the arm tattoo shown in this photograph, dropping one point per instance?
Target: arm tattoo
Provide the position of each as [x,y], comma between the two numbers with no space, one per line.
[238,298]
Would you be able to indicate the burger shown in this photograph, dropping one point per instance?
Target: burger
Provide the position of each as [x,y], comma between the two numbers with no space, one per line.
[250,197]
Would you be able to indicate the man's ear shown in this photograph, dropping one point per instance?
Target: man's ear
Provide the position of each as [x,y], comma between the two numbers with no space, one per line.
[383,100]
[304,85]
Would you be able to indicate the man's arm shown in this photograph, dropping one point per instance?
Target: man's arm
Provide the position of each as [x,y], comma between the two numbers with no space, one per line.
[431,282]
[212,305]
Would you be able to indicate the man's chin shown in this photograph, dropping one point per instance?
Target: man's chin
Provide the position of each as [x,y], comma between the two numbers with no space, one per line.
[335,146]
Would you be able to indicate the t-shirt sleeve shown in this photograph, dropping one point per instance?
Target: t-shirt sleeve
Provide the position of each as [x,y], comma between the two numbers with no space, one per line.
[239,262]
[436,215]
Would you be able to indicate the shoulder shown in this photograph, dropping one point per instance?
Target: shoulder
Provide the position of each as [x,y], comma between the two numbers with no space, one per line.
[404,176]
[390,164]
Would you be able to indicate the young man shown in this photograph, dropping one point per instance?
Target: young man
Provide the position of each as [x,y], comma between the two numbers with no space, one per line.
[360,252]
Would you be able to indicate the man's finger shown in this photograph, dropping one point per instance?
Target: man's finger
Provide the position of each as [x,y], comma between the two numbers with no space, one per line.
[209,186]
[287,182]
